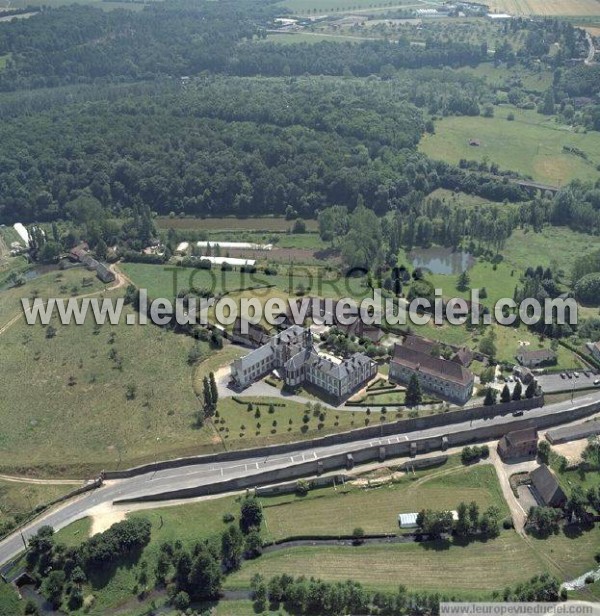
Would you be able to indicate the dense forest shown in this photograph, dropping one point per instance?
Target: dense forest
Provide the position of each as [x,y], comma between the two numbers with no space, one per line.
[182,107]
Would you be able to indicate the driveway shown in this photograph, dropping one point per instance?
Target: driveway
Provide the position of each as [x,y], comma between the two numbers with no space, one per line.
[517,508]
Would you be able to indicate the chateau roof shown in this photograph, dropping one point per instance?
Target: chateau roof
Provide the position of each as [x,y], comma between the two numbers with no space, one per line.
[428,364]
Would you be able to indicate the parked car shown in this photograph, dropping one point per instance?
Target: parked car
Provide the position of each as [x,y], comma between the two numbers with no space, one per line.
[517,413]
[597,382]
[576,375]
[563,375]
[569,375]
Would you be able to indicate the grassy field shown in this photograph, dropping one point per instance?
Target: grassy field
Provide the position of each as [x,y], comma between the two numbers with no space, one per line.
[531,144]
[532,249]
[240,428]
[523,249]
[536,80]
[231,224]
[545,7]
[17,499]
[439,566]
[8,234]
[10,605]
[52,284]
[168,280]
[459,198]
[74,415]
[376,509]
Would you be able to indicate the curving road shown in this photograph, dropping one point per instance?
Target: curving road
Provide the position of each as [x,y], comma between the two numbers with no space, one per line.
[153,483]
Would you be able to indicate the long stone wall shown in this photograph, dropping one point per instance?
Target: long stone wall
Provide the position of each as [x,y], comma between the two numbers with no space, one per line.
[368,454]
[397,427]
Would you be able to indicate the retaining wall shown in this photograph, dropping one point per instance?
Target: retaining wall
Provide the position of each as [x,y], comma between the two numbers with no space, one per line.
[369,454]
[398,427]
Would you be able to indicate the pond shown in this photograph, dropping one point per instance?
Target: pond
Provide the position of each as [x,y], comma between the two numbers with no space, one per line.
[32,274]
[440,260]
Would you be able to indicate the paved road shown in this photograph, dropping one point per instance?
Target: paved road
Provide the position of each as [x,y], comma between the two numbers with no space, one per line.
[592,50]
[153,483]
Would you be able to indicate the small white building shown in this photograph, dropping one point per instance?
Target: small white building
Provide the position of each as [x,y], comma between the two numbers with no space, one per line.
[182,248]
[229,261]
[22,231]
[428,13]
[409,520]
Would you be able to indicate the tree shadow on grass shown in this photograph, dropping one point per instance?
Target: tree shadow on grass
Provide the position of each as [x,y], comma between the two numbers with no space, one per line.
[436,545]
[574,531]
[99,577]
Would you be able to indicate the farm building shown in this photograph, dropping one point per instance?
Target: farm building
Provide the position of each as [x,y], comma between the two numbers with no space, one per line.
[518,444]
[546,487]
[182,248]
[103,273]
[229,261]
[565,434]
[22,232]
[538,357]
[80,253]
[235,245]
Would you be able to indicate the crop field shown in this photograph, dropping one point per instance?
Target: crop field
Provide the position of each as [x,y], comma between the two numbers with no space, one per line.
[339,6]
[531,144]
[105,5]
[545,7]
[441,567]
[231,224]
[293,38]
[427,567]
